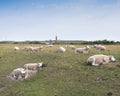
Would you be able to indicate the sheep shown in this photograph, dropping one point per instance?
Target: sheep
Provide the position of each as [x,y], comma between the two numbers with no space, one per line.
[82,50]
[70,46]
[100,59]
[29,73]
[37,48]
[28,48]
[21,74]
[26,71]
[34,66]
[18,74]
[99,47]
[50,45]
[61,49]
[16,48]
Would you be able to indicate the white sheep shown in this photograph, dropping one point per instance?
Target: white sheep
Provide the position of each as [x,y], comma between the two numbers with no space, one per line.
[18,74]
[50,45]
[16,48]
[70,46]
[28,48]
[61,49]
[34,66]
[29,73]
[83,50]
[37,48]
[99,47]
[22,74]
[99,59]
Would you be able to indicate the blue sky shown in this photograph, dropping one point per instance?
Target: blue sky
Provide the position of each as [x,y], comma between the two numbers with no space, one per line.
[22,20]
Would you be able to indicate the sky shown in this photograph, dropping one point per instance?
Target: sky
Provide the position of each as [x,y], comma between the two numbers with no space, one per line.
[22,20]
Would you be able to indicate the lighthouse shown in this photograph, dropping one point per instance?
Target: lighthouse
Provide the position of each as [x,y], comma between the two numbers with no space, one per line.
[56,38]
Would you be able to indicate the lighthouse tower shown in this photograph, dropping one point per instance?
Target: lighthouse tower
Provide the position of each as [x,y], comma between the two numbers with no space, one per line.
[56,38]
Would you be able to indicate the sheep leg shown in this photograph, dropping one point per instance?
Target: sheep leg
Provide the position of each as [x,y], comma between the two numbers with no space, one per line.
[26,75]
[94,64]
[104,61]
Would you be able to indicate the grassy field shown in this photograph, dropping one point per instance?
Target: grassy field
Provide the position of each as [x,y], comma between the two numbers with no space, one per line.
[67,74]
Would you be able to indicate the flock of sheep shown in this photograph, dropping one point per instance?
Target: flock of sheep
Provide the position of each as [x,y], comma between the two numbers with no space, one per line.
[95,60]
[32,68]
[30,48]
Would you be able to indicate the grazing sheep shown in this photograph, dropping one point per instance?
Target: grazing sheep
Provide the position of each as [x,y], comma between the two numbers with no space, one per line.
[99,59]
[18,74]
[61,49]
[70,46]
[16,48]
[34,66]
[99,47]
[82,50]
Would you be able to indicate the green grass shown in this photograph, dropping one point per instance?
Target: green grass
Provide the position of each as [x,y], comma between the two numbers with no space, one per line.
[66,74]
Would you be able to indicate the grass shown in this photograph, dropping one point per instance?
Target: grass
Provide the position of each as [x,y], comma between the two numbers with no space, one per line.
[66,74]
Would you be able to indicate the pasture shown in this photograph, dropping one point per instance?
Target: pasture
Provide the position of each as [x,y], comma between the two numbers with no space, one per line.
[67,74]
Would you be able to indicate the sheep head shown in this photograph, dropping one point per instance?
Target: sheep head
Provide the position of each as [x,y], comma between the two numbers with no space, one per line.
[112,58]
[42,65]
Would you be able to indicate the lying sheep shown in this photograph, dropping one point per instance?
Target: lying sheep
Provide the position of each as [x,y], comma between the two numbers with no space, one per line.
[29,73]
[99,59]
[61,49]
[18,74]
[82,50]
[28,48]
[16,48]
[34,66]
[50,45]
[70,46]
[99,47]
[37,48]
